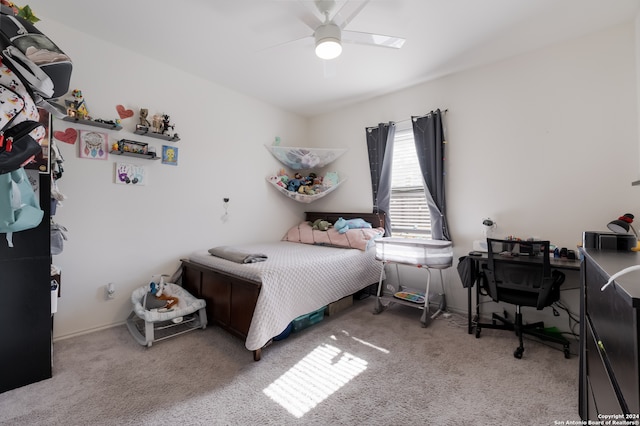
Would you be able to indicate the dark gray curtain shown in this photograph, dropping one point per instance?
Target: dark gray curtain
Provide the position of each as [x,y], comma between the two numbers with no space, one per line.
[380,147]
[429,137]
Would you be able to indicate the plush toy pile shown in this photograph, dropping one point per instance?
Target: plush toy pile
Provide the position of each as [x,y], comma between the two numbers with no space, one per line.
[311,184]
[342,225]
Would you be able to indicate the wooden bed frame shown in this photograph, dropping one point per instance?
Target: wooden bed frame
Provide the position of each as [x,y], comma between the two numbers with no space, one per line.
[231,300]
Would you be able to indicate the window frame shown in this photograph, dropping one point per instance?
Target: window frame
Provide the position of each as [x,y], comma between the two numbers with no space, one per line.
[408,203]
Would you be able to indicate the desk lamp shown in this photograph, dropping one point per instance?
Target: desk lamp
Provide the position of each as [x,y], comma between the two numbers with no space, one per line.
[622,226]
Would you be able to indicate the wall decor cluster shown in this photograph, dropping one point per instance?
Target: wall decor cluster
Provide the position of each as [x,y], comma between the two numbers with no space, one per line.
[94,144]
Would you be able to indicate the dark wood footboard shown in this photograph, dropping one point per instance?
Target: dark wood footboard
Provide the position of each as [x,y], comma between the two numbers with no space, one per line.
[230,300]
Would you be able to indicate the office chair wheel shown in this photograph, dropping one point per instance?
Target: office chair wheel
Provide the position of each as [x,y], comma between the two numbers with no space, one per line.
[518,353]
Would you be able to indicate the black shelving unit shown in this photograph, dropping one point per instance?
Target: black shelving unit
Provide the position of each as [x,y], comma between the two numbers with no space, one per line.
[25,305]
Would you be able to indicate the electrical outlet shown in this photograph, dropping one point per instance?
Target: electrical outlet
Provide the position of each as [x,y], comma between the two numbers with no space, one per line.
[110,291]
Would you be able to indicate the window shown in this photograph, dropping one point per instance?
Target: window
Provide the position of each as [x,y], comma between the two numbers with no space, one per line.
[408,210]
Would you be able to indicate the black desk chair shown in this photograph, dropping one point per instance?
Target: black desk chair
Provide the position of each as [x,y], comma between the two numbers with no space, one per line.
[519,273]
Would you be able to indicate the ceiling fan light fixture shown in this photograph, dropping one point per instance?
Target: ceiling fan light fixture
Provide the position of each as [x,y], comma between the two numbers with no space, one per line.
[328,43]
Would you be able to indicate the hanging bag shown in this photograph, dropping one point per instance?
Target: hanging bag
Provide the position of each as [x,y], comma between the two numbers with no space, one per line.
[11,105]
[11,82]
[37,59]
[18,145]
[19,207]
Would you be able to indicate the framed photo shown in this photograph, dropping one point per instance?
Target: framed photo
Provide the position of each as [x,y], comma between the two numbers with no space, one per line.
[94,145]
[169,155]
[130,174]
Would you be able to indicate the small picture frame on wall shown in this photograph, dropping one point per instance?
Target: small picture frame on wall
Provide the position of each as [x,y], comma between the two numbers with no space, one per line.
[169,155]
[130,174]
[94,145]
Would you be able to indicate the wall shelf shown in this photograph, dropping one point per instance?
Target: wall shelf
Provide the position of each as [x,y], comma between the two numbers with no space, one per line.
[174,138]
[93,123]
[150,156]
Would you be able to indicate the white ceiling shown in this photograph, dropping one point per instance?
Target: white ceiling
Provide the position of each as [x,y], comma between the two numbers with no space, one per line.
[239,43]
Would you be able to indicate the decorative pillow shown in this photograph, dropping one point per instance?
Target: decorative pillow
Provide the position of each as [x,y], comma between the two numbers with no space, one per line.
[360,239]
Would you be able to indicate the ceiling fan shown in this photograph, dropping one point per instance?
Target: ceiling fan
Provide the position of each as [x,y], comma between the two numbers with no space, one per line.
[328,21]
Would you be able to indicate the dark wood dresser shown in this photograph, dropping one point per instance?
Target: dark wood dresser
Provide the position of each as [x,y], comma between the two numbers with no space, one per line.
[609,331]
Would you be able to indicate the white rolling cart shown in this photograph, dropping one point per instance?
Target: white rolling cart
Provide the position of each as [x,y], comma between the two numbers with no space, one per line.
[422,253]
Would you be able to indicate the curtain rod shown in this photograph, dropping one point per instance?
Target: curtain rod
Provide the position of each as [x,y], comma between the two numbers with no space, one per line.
[444,111]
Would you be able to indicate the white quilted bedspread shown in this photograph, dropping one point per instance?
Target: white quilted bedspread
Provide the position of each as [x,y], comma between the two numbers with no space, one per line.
[296,279]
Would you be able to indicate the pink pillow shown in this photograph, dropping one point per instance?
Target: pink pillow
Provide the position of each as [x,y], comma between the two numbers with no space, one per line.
[360,239]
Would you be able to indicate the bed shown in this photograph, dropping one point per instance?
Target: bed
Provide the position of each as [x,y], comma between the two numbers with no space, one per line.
[257,301]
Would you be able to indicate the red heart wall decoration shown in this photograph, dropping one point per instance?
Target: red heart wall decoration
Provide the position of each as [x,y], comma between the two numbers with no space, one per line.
[69,136]
[124,113]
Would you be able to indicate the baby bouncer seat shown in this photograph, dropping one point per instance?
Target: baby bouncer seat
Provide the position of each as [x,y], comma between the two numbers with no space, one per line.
[152,325]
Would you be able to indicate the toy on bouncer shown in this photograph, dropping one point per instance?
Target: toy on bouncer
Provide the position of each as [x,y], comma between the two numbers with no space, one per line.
[343,225]
[155,307]
[161,300]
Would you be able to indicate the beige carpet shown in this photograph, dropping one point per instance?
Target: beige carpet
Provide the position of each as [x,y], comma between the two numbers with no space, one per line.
[352,368]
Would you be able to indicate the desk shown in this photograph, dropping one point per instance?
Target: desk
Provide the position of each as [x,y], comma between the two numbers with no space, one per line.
[478,261]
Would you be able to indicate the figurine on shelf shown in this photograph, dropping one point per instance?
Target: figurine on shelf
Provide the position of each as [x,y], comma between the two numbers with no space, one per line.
[157,124]
[76,107]
[165,124]
[144,123]
[114,123]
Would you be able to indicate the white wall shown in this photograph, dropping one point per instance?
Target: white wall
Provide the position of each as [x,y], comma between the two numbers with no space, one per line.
[125,234]
[546,144]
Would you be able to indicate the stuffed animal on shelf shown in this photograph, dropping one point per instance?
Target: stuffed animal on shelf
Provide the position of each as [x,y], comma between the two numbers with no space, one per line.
[330,179]
[343,225]
[320,224]
[293,185]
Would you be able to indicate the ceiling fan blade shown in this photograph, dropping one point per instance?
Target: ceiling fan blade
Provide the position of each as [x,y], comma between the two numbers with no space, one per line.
[372,39]
[307,12]
[348,11]
[298,41]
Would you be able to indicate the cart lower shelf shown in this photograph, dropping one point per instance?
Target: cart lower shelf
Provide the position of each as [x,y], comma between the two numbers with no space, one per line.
[386,297]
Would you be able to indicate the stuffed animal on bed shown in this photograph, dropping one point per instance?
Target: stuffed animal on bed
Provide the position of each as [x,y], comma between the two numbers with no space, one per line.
[343,225]
[320,224]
